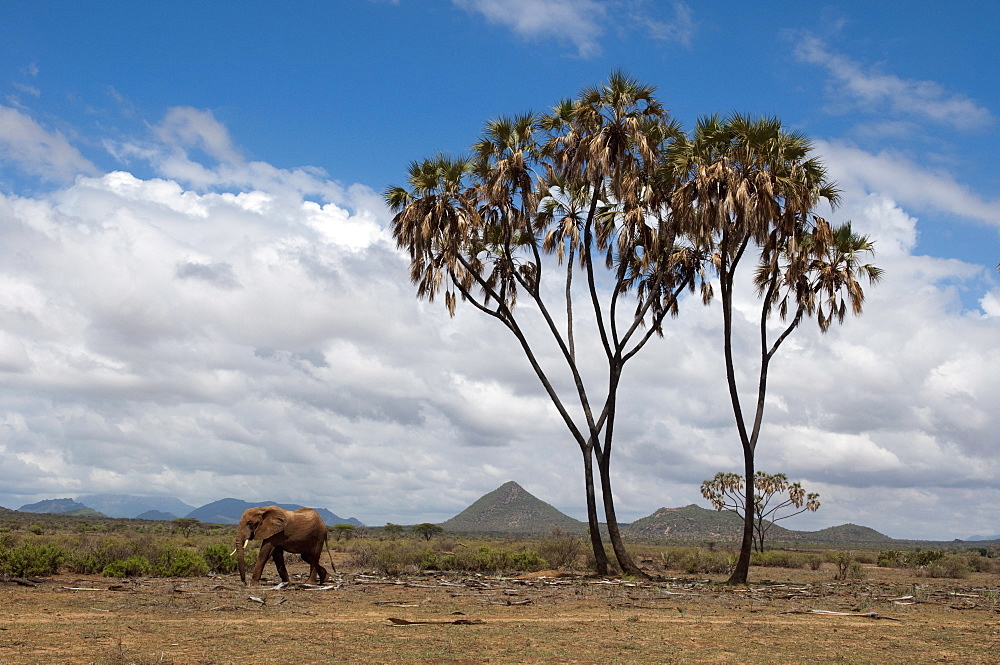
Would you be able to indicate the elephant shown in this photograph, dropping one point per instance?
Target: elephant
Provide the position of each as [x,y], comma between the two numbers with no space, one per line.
[299,531]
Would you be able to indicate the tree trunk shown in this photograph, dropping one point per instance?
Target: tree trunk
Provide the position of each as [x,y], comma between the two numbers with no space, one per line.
[594,524]
[742,570]
[625,561]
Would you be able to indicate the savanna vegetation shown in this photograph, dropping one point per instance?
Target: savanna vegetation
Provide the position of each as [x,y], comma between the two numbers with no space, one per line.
[125,594]
[133,548]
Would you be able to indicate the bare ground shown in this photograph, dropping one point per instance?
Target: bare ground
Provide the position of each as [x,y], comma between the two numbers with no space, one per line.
[542,618]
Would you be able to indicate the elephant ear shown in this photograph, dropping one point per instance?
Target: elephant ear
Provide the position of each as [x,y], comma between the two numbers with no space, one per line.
[273,522]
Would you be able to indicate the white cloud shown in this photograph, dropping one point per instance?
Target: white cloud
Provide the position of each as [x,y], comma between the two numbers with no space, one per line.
[576,21]
[991,303]
[583,23]
[895,176]
[186,128]
[887,94]
[37,150]
[680,29]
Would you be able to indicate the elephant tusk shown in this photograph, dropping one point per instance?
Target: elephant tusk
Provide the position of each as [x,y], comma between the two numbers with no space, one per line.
[233,553]
[245,543]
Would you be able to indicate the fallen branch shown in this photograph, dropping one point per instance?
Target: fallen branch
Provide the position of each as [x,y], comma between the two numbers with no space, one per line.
[868,615]
[457,622]
[19,580]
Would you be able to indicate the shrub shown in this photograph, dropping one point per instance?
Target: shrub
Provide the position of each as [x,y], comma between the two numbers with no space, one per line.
[979,563]
[84,564]
[865,557]
[784,559]
[134,566]
[560,549]
[363,555]
[528,560]
[696,561]
[890,559]
[181,563]
[856,571]
[28,559]
[922,558]
[844,562]
[955,567]
[218,559]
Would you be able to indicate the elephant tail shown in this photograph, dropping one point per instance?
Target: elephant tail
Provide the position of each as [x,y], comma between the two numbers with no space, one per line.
[326,541]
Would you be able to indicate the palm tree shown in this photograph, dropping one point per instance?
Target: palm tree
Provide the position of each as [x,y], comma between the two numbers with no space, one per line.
[751,185]
[571,186]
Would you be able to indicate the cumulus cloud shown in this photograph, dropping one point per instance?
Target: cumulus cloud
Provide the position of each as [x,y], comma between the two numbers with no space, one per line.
[872,91]
[892,175]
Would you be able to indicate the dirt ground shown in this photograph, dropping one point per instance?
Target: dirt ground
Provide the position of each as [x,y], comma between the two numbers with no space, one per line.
[785,616]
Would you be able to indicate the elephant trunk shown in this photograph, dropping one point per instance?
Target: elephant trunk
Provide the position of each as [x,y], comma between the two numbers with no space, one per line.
[243,536]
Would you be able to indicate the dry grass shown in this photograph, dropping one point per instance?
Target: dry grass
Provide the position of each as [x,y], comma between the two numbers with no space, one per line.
[538,619]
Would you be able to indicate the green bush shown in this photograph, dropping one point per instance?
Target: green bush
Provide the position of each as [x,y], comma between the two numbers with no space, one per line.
[218,559]
[528,561]
[30,559]
[922,558]
[85,564]
[954,567]
[697,561]
[180,563]
[845,563]
[785,559]
[979,563]
[134,566]
[890,559]
[865,557]
[92,553]
[395,557]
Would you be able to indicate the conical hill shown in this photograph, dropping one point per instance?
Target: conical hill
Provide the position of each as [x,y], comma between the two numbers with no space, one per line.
[510,509]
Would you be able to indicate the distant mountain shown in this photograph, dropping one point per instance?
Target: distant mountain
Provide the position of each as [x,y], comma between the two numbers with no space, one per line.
[688,523]
[511,509]
[61,507]
[128,505]
[976,538]
[845,533]
[156,515]
[229,511]
[696,523]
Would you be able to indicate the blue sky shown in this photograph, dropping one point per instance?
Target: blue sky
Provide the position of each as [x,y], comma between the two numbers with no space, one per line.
[198,296]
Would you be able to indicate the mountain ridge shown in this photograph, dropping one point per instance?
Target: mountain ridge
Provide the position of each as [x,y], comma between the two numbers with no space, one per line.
[509,509]
[130,506]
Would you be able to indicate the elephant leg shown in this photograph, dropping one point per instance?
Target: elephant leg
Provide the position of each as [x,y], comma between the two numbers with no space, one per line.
[265,553]
[279,563]
[315,567]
